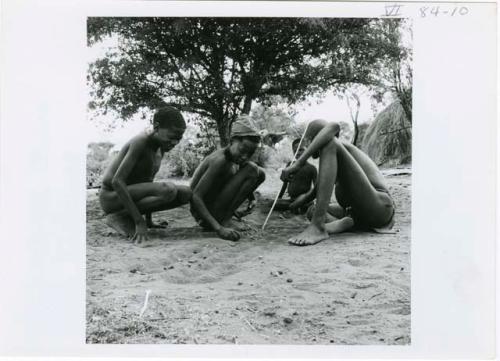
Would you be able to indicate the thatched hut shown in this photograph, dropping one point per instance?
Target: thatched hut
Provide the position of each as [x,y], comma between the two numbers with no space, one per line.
[388,139]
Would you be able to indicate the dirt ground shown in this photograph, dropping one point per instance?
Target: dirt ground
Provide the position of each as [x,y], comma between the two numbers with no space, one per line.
[351,289]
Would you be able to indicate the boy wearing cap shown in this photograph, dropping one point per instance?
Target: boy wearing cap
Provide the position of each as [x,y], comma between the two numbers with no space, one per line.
[225,179]
[128,190]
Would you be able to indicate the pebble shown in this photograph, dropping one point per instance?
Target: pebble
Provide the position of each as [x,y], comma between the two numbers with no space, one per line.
[295,313]
[133,271]
[289,280]
[216,311]
[280,272]
[287,320]
[240,283]
[195,251]
[164,268]
[402,269]
[171,267]
[331,341]
[269,313]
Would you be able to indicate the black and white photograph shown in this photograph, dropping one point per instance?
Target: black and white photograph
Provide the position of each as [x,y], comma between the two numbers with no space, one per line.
[249,180]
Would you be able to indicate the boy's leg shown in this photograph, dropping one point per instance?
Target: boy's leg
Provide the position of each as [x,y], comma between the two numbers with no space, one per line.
[339,225]
[237,189]
[327,176]
[335,160]
[148,197]
[361,182]
[334,212]
[282,205]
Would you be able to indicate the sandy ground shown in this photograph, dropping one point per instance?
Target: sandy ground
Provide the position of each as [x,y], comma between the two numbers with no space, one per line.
[351,289]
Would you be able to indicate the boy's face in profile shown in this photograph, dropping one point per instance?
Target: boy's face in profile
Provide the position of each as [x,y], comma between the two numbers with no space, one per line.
[168,137]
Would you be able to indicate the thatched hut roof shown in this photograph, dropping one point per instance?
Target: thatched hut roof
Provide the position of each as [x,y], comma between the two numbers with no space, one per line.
[388,139]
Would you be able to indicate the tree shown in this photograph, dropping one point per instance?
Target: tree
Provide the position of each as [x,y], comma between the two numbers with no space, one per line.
[217,67]
[396,70]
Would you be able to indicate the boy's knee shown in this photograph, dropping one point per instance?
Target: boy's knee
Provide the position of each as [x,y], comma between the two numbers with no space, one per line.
[168,191]
[184,194]
[252,170]
[261,177]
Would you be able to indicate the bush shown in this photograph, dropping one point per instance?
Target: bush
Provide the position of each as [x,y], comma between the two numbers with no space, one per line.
[182,160]
[274,158]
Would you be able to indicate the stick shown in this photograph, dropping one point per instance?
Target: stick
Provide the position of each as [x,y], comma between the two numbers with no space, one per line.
[249,324]
[277,195]
[145,303]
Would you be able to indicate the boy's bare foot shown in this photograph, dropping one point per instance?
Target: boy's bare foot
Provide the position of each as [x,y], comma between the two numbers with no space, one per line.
[122,223]
[311,235]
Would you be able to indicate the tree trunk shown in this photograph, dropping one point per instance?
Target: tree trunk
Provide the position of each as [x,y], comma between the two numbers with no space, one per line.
[354,116]
[356,132]
[223,127]
[247,105]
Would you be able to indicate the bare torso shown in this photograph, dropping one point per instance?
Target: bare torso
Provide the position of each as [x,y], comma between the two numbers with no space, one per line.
[226,172]
[303,181]
[145,168]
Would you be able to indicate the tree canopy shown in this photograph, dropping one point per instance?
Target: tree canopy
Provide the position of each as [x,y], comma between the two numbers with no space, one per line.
[217,67]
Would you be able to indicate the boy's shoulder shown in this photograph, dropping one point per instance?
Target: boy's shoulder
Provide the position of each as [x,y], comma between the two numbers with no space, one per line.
[216,157]
[140,140]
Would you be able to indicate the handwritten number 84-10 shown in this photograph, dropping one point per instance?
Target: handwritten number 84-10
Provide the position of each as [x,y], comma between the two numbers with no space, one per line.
[437,11]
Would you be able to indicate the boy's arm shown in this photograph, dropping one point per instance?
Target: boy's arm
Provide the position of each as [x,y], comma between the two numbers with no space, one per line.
[284,186]
[312,192]
[119,185]
[322,138]
[283,189]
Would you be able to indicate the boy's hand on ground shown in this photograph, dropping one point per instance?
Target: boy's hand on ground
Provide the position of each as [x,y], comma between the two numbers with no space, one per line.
[298,202]
[161,225]
[228,233]
[140,234]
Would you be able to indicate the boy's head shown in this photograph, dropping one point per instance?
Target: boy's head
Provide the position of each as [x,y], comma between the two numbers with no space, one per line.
[168,127]
[245,139]
[295,144]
